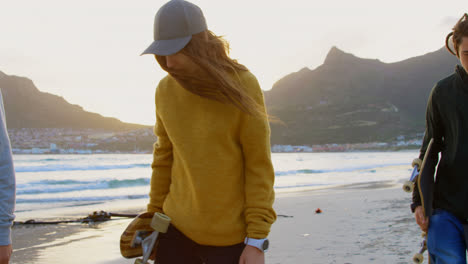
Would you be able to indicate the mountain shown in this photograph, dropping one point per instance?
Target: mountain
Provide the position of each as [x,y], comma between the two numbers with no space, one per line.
[349,99]
[345,100]
[27,107]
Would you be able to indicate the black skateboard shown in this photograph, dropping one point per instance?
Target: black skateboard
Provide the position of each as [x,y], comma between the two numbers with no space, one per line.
[425,182]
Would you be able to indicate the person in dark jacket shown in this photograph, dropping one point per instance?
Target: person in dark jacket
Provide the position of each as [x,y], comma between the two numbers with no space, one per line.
[447,124]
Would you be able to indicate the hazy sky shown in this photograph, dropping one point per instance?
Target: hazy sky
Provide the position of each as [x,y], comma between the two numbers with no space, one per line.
[88,51]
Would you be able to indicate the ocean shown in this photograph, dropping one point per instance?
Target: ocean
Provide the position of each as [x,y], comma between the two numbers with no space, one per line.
[72,181]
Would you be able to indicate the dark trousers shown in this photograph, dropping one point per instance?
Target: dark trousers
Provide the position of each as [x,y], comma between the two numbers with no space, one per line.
[175,248]
[465,227]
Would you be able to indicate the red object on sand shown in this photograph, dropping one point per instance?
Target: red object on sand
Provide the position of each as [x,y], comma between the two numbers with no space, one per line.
[318,211]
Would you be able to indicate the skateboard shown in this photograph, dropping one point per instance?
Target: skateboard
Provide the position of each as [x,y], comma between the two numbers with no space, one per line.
[425,182]
[139,238]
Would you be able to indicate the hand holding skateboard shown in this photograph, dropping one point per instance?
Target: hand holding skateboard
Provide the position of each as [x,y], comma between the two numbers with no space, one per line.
[421,219]
[140,236]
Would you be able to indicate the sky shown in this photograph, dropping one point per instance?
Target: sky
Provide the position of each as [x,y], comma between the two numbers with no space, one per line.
[88,51]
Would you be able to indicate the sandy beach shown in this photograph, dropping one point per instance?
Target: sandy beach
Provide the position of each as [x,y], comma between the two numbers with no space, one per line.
[360,223]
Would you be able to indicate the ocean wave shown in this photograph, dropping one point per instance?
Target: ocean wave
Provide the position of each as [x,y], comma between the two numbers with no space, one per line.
[62,186]
[68,167]
[43,160]
[81,199]
[370,168]
[301,186]
[294,172]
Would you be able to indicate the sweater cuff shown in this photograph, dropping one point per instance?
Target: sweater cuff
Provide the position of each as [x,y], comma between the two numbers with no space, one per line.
[151,208]
[257,235]
[259,227]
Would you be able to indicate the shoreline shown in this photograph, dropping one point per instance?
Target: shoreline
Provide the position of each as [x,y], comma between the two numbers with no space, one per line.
[359,223]
[136,206]
[395,149]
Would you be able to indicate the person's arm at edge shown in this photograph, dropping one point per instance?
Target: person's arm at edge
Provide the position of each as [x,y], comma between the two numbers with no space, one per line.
[7,189]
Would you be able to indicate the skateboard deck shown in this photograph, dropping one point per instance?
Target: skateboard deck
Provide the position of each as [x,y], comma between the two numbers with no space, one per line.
[426,178]
[144,227]
[425,182]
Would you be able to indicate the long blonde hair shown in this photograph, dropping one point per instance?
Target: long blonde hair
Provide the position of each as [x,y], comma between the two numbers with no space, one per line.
[219,80]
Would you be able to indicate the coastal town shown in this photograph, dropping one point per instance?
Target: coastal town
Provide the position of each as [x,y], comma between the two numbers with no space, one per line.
[80,141]
[90,141]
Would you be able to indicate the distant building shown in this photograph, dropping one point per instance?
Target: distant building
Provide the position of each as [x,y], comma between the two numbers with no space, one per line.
[101,136]
[39,151]
[290,148]
[54,149]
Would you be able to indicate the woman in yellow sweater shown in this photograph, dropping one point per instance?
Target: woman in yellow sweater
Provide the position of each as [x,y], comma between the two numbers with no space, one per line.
[212,171]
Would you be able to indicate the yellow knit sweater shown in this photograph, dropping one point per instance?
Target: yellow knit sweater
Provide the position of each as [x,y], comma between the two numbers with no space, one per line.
[212,170]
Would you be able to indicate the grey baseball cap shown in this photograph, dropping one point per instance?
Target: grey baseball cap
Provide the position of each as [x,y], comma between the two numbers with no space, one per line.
[174,24]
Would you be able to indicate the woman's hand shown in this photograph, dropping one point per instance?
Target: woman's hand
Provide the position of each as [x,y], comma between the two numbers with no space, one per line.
[252,255]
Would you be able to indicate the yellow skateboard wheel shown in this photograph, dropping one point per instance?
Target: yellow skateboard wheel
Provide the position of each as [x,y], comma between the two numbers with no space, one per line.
[160,222]
[418,258]
[408,186]
[417,162]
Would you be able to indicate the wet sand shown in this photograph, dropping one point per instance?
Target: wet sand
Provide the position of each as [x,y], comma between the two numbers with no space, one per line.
[362,223]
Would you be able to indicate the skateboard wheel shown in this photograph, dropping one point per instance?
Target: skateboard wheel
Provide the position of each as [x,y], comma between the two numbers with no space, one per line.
[418,258]
[139,261]
[408,186]
[160,222]
[417,162]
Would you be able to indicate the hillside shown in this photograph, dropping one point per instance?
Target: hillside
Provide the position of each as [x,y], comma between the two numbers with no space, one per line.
[27,107]
[349,99]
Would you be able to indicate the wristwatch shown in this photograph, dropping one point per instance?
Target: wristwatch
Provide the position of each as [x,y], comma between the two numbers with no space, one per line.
[261,244]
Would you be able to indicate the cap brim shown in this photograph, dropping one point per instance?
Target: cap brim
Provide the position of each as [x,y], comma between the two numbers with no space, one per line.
[167,47]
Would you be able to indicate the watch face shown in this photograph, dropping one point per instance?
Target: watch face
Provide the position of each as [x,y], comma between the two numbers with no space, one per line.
[265,245]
